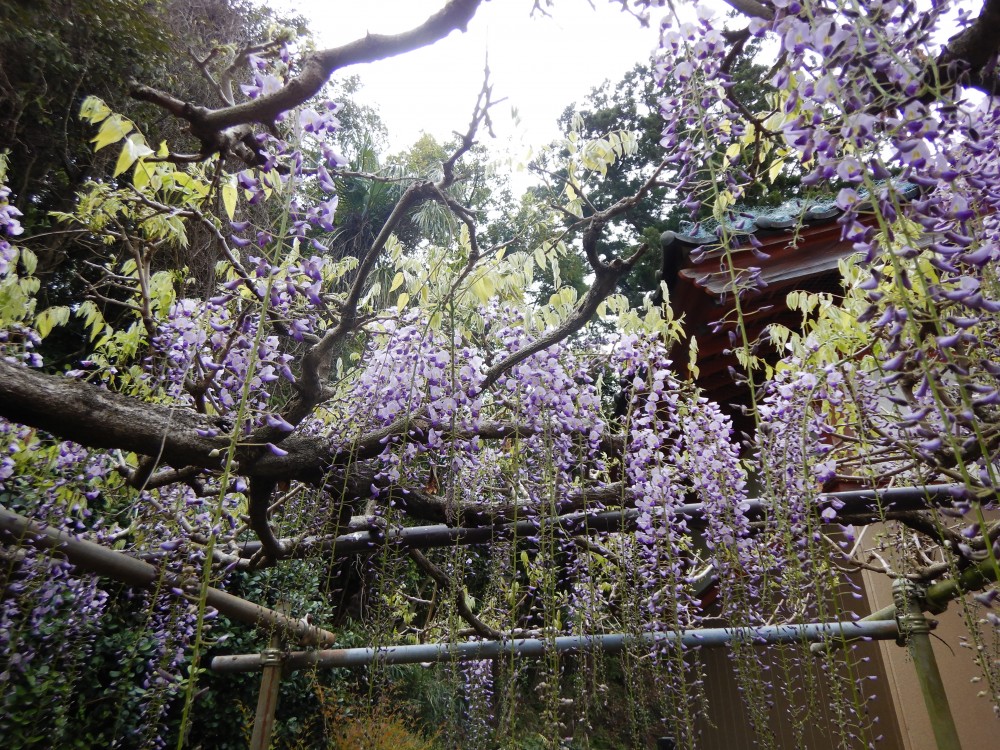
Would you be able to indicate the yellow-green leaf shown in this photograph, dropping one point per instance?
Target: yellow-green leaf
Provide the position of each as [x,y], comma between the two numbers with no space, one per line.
[49,319]
[143,175]
[479,289]
[722,203]
[401,301]
[397,281]
[133,148]
[229,196]
[489,286]
[92,317]
[567,296]
[94,110]
[731,153]
[775,170]
[28,260]
[693,358]
[113,129]
[393,248]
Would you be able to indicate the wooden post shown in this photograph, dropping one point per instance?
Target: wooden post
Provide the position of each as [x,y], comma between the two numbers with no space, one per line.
[267,702]
[915,630]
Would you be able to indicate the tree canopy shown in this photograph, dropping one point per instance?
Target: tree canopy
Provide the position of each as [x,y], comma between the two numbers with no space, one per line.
[315,390]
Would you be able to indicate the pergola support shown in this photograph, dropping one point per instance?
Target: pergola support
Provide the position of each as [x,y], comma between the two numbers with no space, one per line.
[118,566]
[267,700]
[914,630]
[475,650]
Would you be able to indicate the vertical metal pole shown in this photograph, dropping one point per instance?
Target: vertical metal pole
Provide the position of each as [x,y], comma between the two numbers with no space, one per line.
[267,701]
[915,630]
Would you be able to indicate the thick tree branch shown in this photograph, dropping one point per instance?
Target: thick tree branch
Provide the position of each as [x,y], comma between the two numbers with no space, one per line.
[259,503]
[98,418]
[210,126]
[971,56]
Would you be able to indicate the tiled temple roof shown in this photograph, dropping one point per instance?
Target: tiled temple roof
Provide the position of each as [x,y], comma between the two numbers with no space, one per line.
[794,246]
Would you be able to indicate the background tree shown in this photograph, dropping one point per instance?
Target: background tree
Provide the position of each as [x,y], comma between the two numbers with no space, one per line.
[631,105]
[53,55]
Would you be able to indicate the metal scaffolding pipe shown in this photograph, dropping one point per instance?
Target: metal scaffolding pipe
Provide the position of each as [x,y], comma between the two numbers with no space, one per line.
[474,650]
[441,535]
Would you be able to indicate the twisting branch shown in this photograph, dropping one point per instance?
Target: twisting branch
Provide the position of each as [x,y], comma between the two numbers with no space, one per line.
[316,362]
[607,276]
[221,130]
[98,418]
[260,501]
[203,64]
[461,597]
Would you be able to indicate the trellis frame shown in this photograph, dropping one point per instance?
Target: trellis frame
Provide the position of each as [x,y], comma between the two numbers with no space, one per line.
[904,621]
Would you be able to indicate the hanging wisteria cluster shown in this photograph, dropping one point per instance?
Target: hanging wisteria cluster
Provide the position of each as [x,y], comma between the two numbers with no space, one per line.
[869,100]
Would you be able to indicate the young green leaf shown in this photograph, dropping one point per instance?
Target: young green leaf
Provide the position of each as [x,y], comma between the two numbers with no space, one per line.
[229,196]
[94,110]
[134,148]
[50,318]
[113,129]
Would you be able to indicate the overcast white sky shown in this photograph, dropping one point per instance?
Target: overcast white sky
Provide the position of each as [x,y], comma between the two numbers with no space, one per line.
[540,64]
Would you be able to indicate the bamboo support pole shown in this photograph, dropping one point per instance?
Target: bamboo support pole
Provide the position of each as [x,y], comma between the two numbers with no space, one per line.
[939,595]
[267,701]
[915,630]
[116,565]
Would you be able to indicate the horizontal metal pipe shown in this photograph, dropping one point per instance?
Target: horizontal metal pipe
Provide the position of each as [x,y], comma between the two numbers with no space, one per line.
[441,535]
[473,650]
